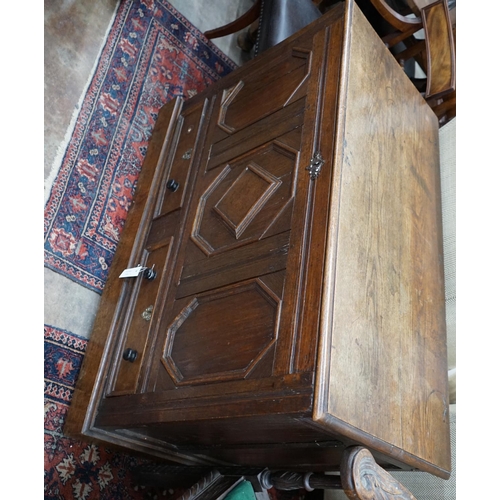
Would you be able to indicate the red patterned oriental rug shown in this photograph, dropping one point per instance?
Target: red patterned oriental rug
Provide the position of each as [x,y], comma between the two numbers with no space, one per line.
[151,55]
[73,469]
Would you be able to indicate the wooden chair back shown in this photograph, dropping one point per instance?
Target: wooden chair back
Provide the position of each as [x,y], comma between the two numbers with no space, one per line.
[440,49]
[435,53]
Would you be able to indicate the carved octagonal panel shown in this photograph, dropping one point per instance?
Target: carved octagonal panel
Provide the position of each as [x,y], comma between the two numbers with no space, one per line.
[222,335]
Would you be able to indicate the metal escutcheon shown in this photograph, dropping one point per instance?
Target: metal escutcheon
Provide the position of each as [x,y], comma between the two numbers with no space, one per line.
[315,165]
[148,313]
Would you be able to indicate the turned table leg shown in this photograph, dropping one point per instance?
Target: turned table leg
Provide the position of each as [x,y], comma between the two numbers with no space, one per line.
[361,478]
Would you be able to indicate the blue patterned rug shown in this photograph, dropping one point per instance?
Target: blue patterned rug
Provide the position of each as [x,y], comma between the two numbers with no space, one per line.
[75,469]
[151,55]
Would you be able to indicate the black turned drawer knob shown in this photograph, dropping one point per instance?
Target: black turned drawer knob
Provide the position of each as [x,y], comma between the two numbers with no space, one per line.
[173,185]
[130,355]
[149,273]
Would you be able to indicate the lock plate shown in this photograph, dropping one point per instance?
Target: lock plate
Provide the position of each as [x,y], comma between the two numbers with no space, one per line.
[315,165]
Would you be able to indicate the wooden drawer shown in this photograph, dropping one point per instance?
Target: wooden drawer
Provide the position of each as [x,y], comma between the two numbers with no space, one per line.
[154,249]
[181,159]
[137,318]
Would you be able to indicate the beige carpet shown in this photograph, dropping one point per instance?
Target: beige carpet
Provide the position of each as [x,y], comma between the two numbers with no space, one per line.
[447,147]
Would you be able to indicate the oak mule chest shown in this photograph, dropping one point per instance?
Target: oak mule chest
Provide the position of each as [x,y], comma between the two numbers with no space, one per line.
[291,296]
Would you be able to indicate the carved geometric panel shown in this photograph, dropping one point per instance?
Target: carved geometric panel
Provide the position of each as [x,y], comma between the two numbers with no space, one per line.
[245,198]
[251,100]
[228,96]
[222,334]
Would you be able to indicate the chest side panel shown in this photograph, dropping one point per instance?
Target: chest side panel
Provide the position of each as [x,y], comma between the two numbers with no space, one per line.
[385,360]
[100,361]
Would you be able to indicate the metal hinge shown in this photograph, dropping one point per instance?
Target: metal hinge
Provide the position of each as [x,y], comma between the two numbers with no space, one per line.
[315,165]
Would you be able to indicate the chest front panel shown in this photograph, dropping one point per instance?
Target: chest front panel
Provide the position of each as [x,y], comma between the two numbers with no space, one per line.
[232,303]
[228,235]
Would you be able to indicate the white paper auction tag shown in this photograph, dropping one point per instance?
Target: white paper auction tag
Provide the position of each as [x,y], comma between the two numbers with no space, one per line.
[132,272]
